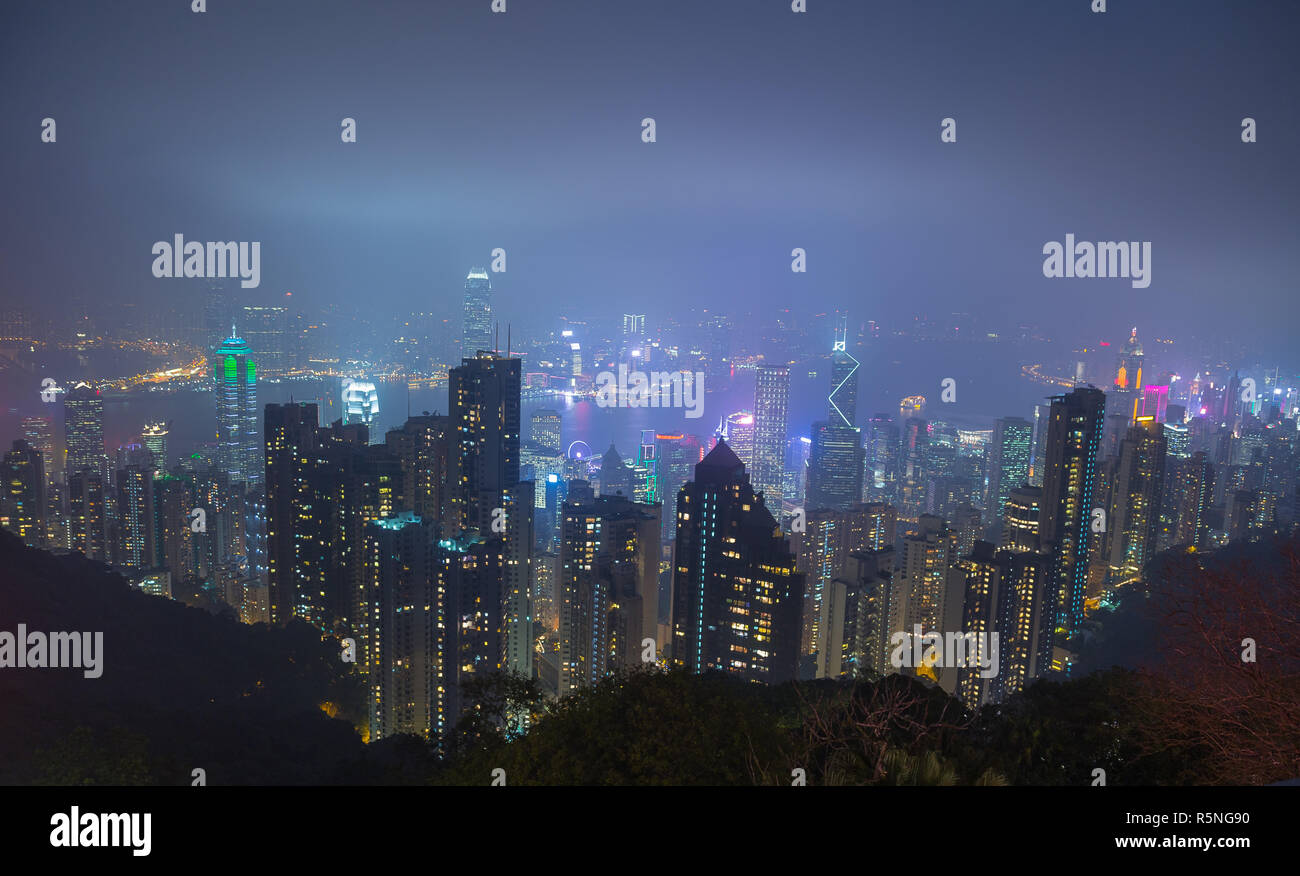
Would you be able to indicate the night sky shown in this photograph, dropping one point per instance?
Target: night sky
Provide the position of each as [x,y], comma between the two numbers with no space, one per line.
[775,130]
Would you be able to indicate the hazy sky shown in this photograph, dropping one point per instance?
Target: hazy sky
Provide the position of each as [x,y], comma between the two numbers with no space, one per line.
[774,130]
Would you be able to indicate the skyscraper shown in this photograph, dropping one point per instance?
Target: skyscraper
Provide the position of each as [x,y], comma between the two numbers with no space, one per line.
[771,403]
[1135,503]
[154,439]
[138,544]
[608,586]
[360,402]
[83,424]
[1021,519]
[737,592]
[407,592]
[266,329]
[484,445]
[738,430]
[477,334]
[546,430]
[238,452]
[835,466]
[1069,478]
[22,493]
[1008,465]
[844,379]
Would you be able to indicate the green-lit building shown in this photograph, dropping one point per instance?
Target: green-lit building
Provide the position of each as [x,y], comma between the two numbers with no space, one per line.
[239,442]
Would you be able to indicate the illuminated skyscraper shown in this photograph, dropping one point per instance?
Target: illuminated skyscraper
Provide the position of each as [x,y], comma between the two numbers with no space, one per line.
[38,432]
[1021,519]
[607,591]
[738,430]
[407,594]
[633,327]
[154,439]
[1135,502]
[771,403]
[844,380]
[546,430]
[484,451]
[477,334]
[22,493]
[1008,462]
[138,544]
[83,424]
[1069,479]
[736,590]
[239,450]
[1025,609]
[86,513]
[360,402]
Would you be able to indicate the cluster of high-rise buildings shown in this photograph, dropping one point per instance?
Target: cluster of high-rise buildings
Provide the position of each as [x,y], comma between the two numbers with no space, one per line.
[455,548]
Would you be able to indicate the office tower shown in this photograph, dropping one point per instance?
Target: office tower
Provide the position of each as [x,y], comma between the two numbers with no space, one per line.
[1008,462]
[844,380]
[771,403]
[1021,519]
[738,431]
[38,432]
[615,477]
[677,457]
[138,546]
[1155,402]
[360,402]
[835,466]
[86,512]
[798,451]
[607,590]
[235,374]
[477,334]
[407,593]
[154,439]
[483,452]
[266,329]
[736,591]
[1042,416]
[421,447]
[1178,441]
[634,327]
[1069,479]
[83,424]
[546,430]
[1025,609]
[1133,525]
[645,473]
[882,458]
[1128,374]
[913,458]
[22,493]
